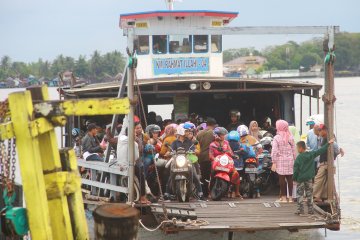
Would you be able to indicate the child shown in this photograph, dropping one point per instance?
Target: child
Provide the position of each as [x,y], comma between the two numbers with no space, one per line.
[304,172]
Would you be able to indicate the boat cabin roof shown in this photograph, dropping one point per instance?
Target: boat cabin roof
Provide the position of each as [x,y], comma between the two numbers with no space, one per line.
[218,85]
[130,17]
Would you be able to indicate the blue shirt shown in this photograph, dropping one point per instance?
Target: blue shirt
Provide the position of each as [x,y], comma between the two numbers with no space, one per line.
[312,141]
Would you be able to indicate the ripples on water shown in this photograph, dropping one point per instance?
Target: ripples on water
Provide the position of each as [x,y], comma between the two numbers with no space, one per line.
[348,118]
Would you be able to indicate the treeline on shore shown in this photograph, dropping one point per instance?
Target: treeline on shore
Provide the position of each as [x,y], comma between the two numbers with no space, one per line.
[98,66]
[292,55]
[93,69]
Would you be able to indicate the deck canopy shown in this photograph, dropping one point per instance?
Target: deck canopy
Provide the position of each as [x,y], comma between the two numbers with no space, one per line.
[181,85]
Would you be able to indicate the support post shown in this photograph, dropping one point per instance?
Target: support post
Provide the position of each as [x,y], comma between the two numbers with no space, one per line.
[301,112]
[131,134]
[329,100]
[116,116]
[318,105]
[310,107]
[30,166]
[51,167]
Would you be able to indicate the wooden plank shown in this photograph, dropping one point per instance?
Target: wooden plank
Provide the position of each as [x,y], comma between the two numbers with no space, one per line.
[104,185]
[102,166]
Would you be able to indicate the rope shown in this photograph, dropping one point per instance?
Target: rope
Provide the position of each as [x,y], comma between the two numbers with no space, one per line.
[160,188]
[140,98]
[156,170]
[175,222]
[154,229]
[337,158]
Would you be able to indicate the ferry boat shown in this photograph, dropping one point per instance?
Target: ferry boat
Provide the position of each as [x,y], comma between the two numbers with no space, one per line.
[180,62]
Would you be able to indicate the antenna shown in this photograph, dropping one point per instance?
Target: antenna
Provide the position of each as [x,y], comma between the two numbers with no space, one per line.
[170,4]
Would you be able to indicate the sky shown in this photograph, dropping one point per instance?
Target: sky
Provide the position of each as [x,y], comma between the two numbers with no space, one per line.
[34,29]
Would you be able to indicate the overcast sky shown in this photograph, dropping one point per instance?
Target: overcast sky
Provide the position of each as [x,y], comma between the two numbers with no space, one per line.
[32,29]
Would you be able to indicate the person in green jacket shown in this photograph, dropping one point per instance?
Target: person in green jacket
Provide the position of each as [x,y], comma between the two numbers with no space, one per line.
[304,172]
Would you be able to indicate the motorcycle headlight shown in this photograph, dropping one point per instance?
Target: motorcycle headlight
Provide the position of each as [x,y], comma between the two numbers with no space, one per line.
[224,160]
[180,161]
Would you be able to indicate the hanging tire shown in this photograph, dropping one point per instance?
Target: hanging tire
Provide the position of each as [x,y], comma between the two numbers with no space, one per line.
[219,189]
[182,190]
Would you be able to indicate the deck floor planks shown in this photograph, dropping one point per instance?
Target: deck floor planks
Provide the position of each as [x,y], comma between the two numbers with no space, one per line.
[249,215]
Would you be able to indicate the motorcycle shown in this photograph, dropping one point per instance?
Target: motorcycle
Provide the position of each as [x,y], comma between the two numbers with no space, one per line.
[223,167]
[250,181]
[268,179]
[181,173]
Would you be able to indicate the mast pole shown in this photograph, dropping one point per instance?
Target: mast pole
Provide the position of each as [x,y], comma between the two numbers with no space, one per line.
[131,133]
[329,100]
[170,4]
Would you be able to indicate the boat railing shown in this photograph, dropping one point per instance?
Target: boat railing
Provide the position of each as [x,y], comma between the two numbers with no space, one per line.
[114,180]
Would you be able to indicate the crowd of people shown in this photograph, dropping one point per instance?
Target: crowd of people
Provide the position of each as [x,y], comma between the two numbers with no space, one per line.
[300,165]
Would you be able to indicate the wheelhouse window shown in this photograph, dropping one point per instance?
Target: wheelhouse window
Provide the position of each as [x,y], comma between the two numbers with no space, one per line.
[201,43]
[159,44]
[141,44]
[216,43]
[180,44]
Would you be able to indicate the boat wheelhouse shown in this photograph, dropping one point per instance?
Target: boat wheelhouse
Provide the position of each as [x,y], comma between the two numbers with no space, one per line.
[186,70]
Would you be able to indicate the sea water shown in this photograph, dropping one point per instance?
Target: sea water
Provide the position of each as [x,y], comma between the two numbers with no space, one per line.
[348,168]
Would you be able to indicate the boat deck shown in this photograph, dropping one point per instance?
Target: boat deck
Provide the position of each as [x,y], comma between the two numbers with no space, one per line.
[248,215]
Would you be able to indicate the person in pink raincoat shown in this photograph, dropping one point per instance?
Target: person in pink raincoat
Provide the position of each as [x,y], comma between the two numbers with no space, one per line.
[283,156]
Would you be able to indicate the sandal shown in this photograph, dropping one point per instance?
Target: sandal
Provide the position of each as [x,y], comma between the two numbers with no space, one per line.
[281,201]
[239,196]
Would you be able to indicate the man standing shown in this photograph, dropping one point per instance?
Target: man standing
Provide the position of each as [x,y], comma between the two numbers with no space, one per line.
[205,138]
[91,146]
[320,181]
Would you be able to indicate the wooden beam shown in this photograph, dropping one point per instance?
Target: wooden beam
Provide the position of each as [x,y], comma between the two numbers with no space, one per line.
[6,131]
[30,166]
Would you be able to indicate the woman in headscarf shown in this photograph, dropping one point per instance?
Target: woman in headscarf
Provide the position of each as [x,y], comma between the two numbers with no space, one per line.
[254,130]
[169,138]
[283,157]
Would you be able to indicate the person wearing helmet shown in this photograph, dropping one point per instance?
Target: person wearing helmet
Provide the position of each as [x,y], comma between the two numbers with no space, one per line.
[234,120]
[219,147]
[152,145]
[234,141]
[268,127]
[245,137]
[183,142]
